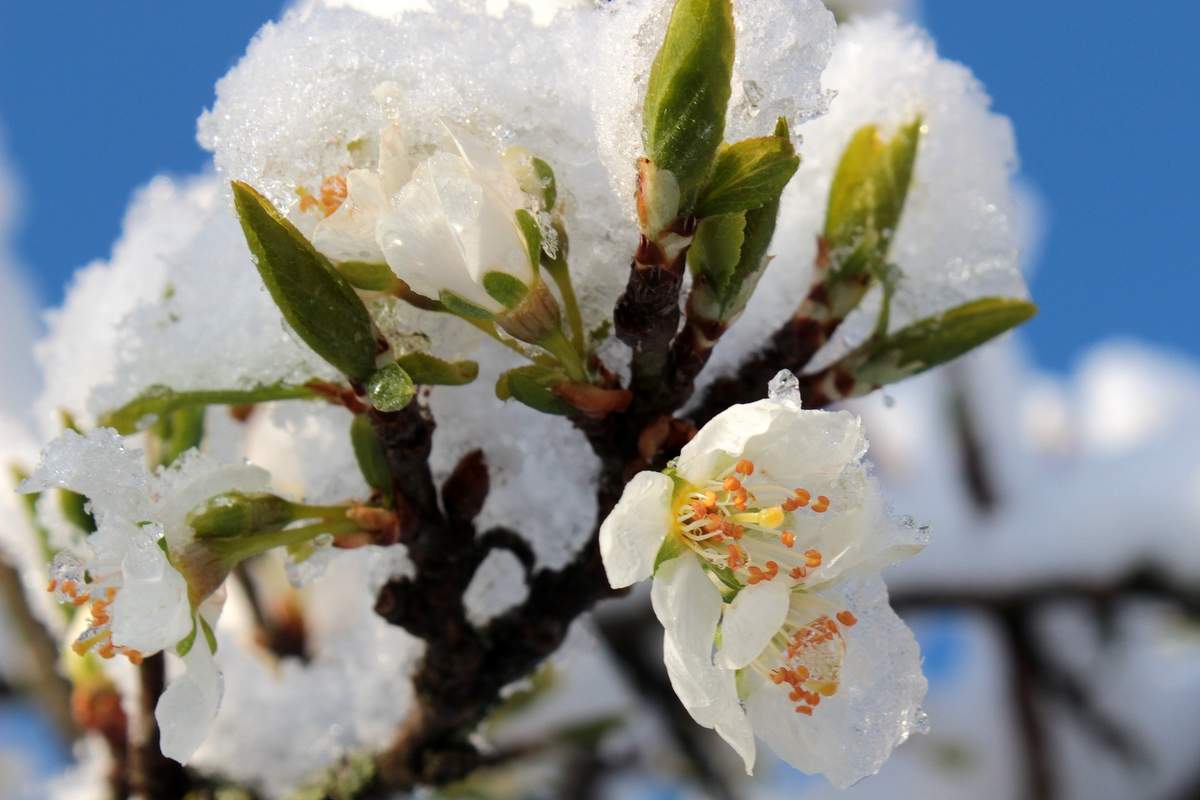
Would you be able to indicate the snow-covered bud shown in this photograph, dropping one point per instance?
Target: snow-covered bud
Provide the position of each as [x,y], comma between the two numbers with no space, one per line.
[765,539]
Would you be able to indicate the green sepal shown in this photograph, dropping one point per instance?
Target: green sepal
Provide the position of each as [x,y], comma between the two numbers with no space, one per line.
[366,276]
[370,455]
[748,175]
[672,547]
[533,386]
[185,644]
[427,370]
[505,289]
[158,400]
[531,232]
[545,175]
[313,297]
[867,197]
[236,513]
[74,508]
[935,340]
[462,308]
[209,637]
[390,388]
[683,119]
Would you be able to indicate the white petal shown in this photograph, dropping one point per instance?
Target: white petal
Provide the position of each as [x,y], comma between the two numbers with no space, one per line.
[877,706]
[486,162]
[395,166]
[709,694]
[633,532]
[750,621]
[99,466]
[419,245]
[348,234]
[187,708]
[723,439]
[151,611]
[688,605]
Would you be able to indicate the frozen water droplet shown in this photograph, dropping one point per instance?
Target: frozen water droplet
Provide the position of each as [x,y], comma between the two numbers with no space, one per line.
[785,388]
[889,401]
[920,722]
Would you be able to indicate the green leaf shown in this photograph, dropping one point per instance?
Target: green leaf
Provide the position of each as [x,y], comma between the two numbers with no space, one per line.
[209,636]
[683,119]
[427,370]
[533,386]
[366,276]
[717,249]
[158,400]
[549,186]
[185,644]
[390,388]
[752,262]
[941,338]
[314,298]
[505,289]
[748,175]
[370,455]
[867,197]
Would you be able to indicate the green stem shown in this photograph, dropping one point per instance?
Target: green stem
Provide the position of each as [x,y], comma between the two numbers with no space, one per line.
[561,273]
[239,549]
[557,345]
[488,327]
[324,512]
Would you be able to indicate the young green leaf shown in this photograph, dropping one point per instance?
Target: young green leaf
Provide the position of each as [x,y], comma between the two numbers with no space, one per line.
[683,119]
[369,452]
[314,298]
[748,175]
[534,386]
[429,370]
[716,250]
[867,196]
[158,400]
[935,340]
[366,276]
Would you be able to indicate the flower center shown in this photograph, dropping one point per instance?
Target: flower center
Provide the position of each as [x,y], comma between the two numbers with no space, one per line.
[332,194]
[807,656]
[737,522]
[71,583]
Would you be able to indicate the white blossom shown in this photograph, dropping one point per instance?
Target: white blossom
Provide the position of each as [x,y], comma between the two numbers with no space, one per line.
[148,586]
[765,539]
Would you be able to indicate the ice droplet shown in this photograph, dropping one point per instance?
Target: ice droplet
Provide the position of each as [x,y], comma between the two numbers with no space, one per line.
[785,388]
[921,722]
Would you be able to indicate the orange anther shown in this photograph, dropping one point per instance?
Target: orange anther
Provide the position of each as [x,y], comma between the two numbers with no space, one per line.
[79,600]
[821,505]
[698,509]
[107,650]
[802,496]
[735,556]
[805,710]
[798,573]
[333,192]
[787,538]
[745,467]
[51,586]
[772,569]
[110,593]
[812,558]
[778,675]
[846,618]
[710,499]
[134,657]
[712,523]
[68,587]
[731,484]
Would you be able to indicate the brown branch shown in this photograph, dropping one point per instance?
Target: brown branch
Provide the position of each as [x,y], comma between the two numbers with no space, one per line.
[151,774]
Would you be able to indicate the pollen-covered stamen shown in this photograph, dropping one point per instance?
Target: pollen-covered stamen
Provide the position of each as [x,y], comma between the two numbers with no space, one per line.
[71,583]
[807,657]
[734,521]
[329,199]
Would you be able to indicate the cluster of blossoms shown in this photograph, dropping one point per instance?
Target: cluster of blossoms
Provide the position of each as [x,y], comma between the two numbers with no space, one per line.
[756,537]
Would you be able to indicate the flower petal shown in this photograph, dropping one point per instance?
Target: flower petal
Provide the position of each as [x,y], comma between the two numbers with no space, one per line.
[187,708]
[151,611]
[876,707]
[750,621]
[721,711]
[348,234]
[633,532]
[395,166]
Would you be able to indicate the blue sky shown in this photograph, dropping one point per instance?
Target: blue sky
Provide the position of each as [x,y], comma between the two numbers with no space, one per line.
[1103,103]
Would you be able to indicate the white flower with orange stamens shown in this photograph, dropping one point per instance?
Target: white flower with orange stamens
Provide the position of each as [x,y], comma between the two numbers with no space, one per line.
[765,539]
[146,583]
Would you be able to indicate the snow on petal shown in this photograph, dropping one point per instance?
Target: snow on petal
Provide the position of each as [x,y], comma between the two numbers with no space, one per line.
[151,611]
[348,234]
[750,621]
[631,535]
[99,466]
